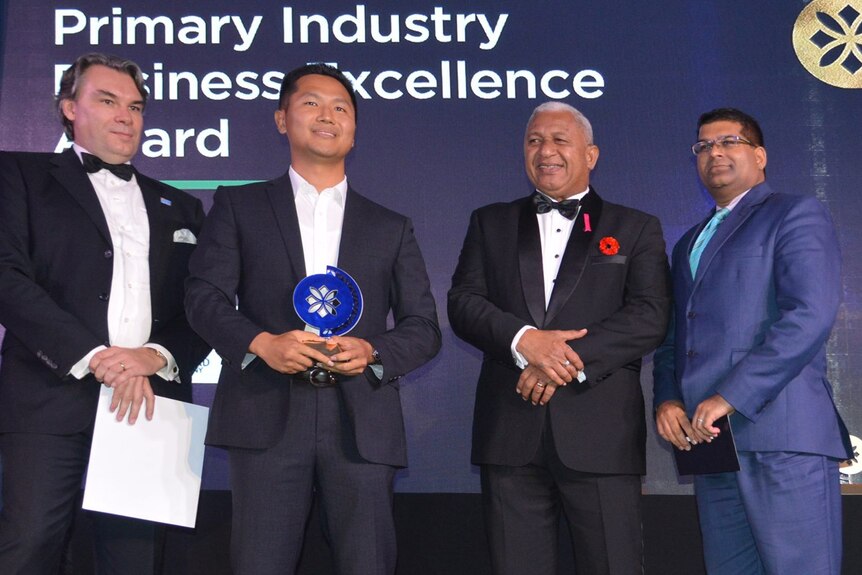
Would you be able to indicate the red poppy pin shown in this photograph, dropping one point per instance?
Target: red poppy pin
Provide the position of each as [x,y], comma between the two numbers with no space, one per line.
[609,246]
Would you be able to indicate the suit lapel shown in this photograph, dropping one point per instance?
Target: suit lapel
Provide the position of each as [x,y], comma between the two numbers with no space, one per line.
[355,217]
[70,173]
[280,195]
[738,216]
[530,263]
[160,234]
[577,251]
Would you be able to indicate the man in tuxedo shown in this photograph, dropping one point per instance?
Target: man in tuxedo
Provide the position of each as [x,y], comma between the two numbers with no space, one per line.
[564,293]
[755,297]
[93,256]
[294,420]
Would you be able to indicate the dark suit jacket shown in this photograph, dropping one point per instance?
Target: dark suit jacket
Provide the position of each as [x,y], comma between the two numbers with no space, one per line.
[251,250]
[622,299]
[752,326]
[56,262]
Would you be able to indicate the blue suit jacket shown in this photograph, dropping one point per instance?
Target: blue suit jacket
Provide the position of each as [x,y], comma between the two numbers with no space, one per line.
[752,326]
[251,250]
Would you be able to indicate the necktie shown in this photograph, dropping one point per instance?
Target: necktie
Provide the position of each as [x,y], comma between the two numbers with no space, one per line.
[567,208]
[94,163]
[704,237]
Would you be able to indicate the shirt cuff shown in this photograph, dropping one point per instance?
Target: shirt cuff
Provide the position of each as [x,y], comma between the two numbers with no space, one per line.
[249,357]
[170,372]
[82,368]
[377,369]
[520,360]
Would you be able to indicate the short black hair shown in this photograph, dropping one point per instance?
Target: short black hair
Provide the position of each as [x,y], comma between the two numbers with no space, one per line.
[750,128]
[288,85]
[71,81]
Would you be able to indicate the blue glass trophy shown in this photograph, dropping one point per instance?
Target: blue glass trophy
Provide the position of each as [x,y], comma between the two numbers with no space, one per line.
[331,304]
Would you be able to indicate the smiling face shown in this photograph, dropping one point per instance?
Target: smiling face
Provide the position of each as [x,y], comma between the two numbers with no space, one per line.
[107,114]
[319,121]
[728,171]
[557,157]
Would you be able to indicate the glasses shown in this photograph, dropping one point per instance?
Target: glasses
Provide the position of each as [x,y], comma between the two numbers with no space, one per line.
[722,143]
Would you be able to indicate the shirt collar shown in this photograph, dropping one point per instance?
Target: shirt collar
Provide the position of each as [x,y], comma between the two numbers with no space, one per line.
[735,201]
[82,150]
[302,187]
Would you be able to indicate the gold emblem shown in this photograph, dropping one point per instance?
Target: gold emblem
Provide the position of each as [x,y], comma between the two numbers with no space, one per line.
[827,38]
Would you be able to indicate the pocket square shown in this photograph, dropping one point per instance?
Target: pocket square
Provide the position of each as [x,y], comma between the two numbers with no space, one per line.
[185,236]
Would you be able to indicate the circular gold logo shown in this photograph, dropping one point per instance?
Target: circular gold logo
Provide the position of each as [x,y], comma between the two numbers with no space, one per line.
[827,38]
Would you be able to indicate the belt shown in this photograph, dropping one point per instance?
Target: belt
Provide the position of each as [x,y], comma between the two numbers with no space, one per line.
[317,376]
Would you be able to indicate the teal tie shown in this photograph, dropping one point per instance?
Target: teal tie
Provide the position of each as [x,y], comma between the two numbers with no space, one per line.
[704,238]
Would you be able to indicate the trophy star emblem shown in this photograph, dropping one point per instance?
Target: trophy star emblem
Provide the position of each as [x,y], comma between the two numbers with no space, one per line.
[322,301]
[329,303]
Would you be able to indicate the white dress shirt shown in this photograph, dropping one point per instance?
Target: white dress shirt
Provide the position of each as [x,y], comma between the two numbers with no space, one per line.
[320,216]
[554,232]
[129,304]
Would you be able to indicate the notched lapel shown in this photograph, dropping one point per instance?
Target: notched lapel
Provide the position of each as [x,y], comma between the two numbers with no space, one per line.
[530,263]
[352,237]
[161,236]
[70,174]
[280,195]
[577,249]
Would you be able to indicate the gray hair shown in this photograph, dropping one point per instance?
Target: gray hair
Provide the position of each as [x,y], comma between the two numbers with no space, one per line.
[555,106]
[71,81]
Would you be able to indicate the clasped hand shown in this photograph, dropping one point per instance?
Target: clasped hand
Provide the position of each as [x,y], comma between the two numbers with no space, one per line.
[127,370]
[290,352]
[674,426]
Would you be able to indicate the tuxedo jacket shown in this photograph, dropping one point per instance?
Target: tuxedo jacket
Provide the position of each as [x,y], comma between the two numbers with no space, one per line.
[243,275]
[621,297]
[56,266]
[752,325]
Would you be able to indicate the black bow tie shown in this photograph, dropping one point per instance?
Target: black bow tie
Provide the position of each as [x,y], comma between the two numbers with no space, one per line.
[94,163]
[567,208]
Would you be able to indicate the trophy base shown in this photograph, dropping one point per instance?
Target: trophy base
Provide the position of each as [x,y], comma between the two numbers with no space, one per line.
[325,347]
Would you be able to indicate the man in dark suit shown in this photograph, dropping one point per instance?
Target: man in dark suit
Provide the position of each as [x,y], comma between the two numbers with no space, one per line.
[92,266]
[288,437]
[756,295]
[564,293]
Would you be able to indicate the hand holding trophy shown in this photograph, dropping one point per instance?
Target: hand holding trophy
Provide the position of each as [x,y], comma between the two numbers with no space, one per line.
[329,304]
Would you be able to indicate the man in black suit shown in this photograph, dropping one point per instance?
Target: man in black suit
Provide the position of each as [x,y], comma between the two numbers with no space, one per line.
[287,437]
[93,256]
[564,293]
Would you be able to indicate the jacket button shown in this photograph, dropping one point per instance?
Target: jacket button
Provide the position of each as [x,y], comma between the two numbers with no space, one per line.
[108,254]
[691,315]
[691,353]
[103,296]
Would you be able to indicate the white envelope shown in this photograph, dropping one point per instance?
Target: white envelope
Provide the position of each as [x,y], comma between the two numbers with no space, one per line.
[150,470]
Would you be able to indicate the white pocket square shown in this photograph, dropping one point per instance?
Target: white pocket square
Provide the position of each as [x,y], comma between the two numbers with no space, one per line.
[185,236]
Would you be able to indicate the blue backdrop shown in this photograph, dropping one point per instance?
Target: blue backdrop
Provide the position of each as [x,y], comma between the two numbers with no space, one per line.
[445,90]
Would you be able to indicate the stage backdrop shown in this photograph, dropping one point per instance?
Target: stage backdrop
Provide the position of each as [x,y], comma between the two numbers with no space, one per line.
[444,92]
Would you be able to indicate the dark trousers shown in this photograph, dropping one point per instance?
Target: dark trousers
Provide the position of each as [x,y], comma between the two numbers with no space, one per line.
[42,477]
[522,507]
[272,492]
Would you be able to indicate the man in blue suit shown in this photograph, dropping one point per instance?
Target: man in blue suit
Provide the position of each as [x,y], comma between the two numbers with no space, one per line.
[755,299]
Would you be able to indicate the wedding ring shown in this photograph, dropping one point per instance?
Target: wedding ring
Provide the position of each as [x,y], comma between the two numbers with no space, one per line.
[700,420]
[540,384]
[122,366]
[567,363]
